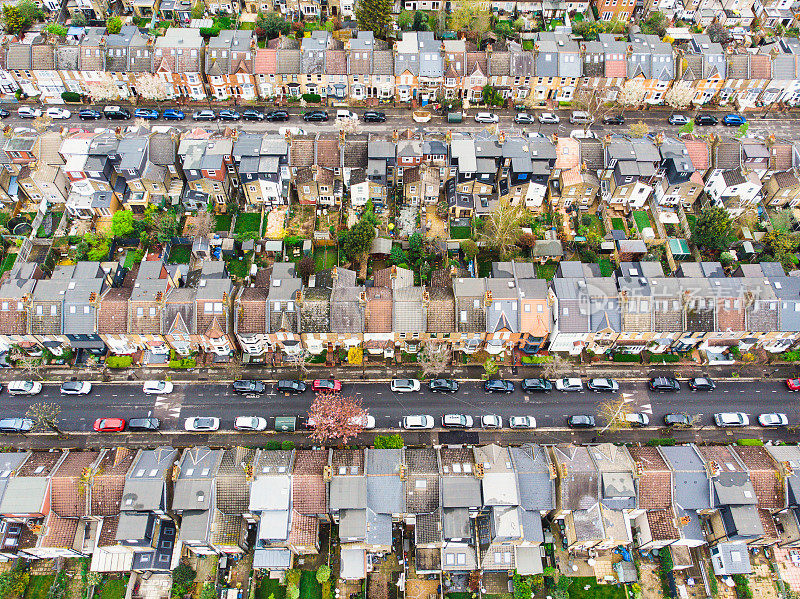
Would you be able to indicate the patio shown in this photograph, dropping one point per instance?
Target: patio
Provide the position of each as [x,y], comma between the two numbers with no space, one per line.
[788,562]
[417,588]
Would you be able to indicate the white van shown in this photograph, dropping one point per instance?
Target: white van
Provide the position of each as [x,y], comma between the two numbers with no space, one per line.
[346,115]
[579,117]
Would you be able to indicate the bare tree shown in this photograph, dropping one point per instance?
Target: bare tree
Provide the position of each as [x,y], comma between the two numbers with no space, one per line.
[45,416]
[503,227]
[614,412]
[557,367]
[336,416]
[434,358]
[32,368]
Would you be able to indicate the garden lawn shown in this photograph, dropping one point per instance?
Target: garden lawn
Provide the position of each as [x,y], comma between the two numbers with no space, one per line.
[642,220]
[595,591]
[460,232]
[618,224]
[38,586]
[180,254]
[8,263]
[546,270]
[130,256]
[56,221]
[239,267]
[113,588]
[222,222]
[247,222]
[458,595]
[270,587]
[606,268]
[324,257]
[597,225]
[309,587]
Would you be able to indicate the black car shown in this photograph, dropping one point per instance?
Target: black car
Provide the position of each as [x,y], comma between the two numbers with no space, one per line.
[581,421]
[16,425]
[373,116]
[115,113]
[705,119]
[290,386]
[498,386]
[537,385]
[701,384]
[229,115]
[315,115]
[247,387]
[277,115]
[4,113]
[614,120]
[90,114]
[250,114]
[443,386]
[664,383]
[144,424]
[678,420]
[204,115]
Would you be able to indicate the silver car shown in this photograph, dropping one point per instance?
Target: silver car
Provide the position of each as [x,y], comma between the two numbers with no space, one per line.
[404,385]
[726,419]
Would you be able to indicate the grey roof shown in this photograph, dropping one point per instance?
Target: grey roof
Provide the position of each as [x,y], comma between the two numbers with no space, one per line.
[145,481]
[730,558]
[534,477]
[24,495]
[456,523]
[9,463]
[348,492]
[198,467]
[460,492]
[195,525]
[132,525]
[691,487]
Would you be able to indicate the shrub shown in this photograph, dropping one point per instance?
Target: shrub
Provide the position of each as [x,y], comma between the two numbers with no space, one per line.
[182,363]
[272,445]
[71,97]
[742,586]
[119,361]
[749,442]
[791,356]
[536,359]
[182,578]
[326,590]
[389,441]
[209,591]
[668,441]
[323,574]
[287,445]
[662,358]
[627,358]
[311,98]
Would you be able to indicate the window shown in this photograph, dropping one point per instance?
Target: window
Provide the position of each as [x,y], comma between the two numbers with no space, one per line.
[39,311]
[72,309]
[540,308]
[152,312]
[139,312]
[53,310]
[527,308]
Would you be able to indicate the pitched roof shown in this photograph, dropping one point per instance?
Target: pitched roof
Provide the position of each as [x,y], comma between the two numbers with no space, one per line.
[655,478]
[251,312]
[378,318]
[764,475]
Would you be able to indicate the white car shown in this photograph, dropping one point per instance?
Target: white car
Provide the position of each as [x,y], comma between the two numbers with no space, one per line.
[548,118]
[367,422]
[76,387]
[249,423]
[637,419]
[157,387]
[404,385]
[26,112]
[491,421]
[581,134]
[487,117]
[569,384]
[522,422]
[457,421]
[773,419]
[58,113]
[421,421]
[24,387]
[607,385]
[726,419]
[201,423]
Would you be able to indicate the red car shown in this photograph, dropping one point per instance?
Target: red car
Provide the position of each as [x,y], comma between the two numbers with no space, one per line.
[327,385]
[109,425]
[793,384]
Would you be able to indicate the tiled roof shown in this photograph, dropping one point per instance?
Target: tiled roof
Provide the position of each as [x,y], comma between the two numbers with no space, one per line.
[109,481]
[760,66]
[781,155]
[328,152]
[251,313]
[336,62]
[304,530]
[233,491]
[656,477]
[698,153]
[662,525]
[764,475]
[309,494]
[355,151]
[60,532]
[477,59]
[786,179]
[69,484]
[727,154]
[500,64]
[441,310]
[266,61]
[382,62]
[379,310]
[302,151]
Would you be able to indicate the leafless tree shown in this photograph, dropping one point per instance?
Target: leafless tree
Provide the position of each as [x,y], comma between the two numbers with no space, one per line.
[613,412]
[434,358]
[45,416]
[557,367]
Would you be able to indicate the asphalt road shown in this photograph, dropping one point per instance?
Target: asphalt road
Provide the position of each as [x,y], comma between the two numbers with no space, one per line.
[550,409]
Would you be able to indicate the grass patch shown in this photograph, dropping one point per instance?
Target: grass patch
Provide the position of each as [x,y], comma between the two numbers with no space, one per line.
[38,586]
[56,221]
[618,224]
[270,587]
[113,588]
[247,222]
[239,267]
[222,222]
[8,263]
[642,220]
[606,268]
[309,587]
[460,232]
[247,25]
[458,595]
[595,224]
[692,220]
[324,257]
[180,254]
[595,591]
[546,270]
[130,256]
[527,44]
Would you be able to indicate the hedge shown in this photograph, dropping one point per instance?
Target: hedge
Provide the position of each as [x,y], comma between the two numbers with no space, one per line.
[626,358]
[790,356]
[536,359]
[70,97]
[183,363]
[312,98]
[119,361]
[667,441]
[750,442]
[661,358]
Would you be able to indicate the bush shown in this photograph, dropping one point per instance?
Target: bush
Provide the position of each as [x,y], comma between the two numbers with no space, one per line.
[667,441]
[326,590]
[626,358]
[662,358]
[790,356]
[209,591]
[182,578]
[311,98]
[750,442]
[71,97]
[287,445]
[119,361]
[536,359]
[742,585]
[323,574]
[272,445]
[182,363]
[389,441]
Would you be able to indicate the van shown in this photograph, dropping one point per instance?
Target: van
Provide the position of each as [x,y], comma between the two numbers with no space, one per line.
[116,113]
[579,117]
[346,115]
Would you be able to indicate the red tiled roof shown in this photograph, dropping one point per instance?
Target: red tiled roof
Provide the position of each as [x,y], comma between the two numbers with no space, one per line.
[662,525]
[251,312]
[60,532]
[328,153]
[336,62]
[616,68]
[266,61]
[304,531]
[760,66]
[698,152]
[656,480]
[309,494]
[764,475]
[379,310]
[113,315]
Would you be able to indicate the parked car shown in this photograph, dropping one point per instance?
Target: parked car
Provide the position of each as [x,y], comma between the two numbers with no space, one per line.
[289,386]
[251,114]
[491,421]
[277,115]
[346,115]
[326,385]
[678,119]
[367,422]
[456,421]
[486,117]
[704,384]
[146,113]
[116,113]
[244,387]
[664,383]
[157,387]
[373,116]
[173,114]
[681,420]
[773,419]
[523,118]
[28,112]
[58,113]
[144,424]
[90,114]
[637,419]
[443,386]
[417,422]
[229,115]
[522,422]
[24,387]
[76,387]
[569,384]
[733,120]
[616,119]
[204,115]
[201,423]
[705,119]
[109,425]
[16,425]
[793,384]
[536,385]
[549,118]
[315,115]
[581,421]
[727,419]
[404,385]
[498,386]
[250,423]
[4,113]
[603,385]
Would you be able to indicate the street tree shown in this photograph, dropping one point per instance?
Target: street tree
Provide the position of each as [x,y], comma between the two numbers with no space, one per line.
[149,87]
[679,96]
[375,16]
[613,413]
[434,358]
[632,94]
[713,229]
[503,227]
[639,129]
[556,368]
[490,368]
[45,416]
[104,89]
[336,416]
[114,24]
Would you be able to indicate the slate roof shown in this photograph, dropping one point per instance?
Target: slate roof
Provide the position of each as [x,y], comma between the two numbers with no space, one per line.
[534,477]
[727,154]
[656,476]
[578,483]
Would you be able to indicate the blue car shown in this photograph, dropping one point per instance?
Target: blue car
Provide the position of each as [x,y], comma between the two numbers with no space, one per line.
[173,114]
[733,120]
[146,113]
